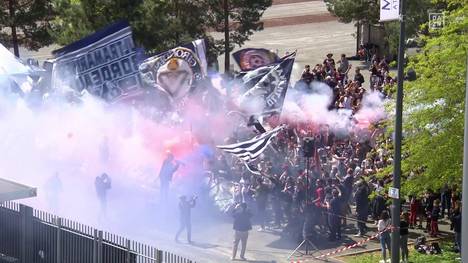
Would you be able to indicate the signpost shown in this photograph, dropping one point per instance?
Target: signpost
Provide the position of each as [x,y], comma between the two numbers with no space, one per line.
[395,10]
[389,10]
[394,193]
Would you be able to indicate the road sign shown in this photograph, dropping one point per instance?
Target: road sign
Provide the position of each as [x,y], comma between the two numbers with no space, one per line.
[389,10]
[394,192]
[436,21]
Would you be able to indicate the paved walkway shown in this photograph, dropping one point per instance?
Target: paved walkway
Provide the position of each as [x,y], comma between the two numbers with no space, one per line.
[212,238]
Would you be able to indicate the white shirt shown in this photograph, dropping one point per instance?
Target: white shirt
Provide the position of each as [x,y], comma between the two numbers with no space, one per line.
[383,224]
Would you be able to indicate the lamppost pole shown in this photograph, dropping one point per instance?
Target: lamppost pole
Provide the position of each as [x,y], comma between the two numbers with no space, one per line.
[398,138]
[227,61]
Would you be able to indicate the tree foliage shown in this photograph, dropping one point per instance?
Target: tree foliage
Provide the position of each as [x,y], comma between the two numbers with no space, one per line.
[434,106]
[244,19]
[348,11]
[368,11]
[157,24]
[30,19]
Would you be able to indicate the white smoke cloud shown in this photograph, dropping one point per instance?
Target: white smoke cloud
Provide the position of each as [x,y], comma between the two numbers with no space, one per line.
[311,106]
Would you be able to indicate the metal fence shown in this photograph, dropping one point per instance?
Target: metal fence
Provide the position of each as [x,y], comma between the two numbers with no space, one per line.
[31,236]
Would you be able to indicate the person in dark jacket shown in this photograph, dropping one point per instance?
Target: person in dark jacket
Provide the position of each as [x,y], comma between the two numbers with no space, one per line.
[445,198]
[168,168]
[362,207]
[435,214]
[358,77]
[241,226]
[404,231]
[334,213]
[456,219]
[102,185]
[428,203]
[378,206]
[185,207]
[307,75]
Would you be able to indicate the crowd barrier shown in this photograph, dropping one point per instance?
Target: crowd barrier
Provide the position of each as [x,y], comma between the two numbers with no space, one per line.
[32,236]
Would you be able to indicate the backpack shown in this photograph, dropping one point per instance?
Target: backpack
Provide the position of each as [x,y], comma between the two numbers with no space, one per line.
[435,248]
[420,241]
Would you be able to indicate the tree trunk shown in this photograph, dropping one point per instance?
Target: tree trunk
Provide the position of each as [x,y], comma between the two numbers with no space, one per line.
[358,35]
[227,62]
[369,32]
[14,37]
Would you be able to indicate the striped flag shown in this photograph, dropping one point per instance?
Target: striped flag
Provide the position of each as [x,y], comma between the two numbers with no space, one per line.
[251,149]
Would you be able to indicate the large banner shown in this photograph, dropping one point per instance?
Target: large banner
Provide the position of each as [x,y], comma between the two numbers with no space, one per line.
[389,10]
[198,47]
[175,72]
[253,58]
[267,94]
[104,63]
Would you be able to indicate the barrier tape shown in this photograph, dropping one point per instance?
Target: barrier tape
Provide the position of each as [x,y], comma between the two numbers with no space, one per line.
[342,249]
[339,250]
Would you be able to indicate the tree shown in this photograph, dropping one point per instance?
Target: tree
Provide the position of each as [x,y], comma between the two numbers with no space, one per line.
[157,24]
[349,11]
[367,12]
[27,22]
[434,106]
[242,17]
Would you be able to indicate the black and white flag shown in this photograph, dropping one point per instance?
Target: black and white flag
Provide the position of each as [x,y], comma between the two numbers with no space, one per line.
[249,150]
[266,87]
[104,63]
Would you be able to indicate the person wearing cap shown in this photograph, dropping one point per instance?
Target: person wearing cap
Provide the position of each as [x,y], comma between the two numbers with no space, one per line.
[185,208]
[168,168]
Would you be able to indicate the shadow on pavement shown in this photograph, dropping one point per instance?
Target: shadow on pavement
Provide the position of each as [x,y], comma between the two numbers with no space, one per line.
[203,245]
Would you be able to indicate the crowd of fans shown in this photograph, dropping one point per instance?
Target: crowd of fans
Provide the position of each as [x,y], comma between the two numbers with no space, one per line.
[317,196]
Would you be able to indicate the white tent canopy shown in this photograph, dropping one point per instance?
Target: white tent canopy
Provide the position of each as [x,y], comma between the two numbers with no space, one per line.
[12,191]
[13,72]
[11,65]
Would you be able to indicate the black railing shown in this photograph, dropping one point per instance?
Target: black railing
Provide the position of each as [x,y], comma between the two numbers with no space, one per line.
[32,236]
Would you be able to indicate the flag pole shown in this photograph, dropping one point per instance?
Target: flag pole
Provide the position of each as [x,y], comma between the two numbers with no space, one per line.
[398,138]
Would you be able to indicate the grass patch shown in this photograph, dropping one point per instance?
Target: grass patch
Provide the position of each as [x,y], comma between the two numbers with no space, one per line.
[447,256]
